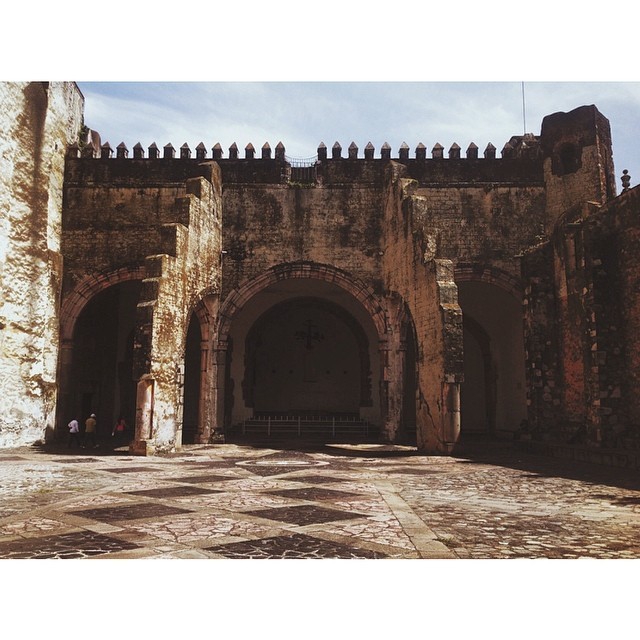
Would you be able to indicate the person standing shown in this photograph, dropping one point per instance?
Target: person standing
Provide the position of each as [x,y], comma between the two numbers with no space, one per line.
[74,433]
[90,431]
[119,429]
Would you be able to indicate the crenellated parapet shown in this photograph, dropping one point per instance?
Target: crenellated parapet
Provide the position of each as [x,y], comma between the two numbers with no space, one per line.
[519,162]
[517,147]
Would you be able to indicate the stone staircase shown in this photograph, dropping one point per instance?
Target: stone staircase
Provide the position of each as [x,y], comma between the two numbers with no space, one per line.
[329,425]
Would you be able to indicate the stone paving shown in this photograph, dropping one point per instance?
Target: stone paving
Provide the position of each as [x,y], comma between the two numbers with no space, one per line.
[341,501]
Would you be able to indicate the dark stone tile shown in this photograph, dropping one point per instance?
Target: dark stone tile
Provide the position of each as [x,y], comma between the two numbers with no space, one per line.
[205,478]
[268,471]
[129,470]
[10,458]
[304,514]
[315,479]
[281,462]
[313,493]
[299,456]
[217,464]
[77,460]
[129,512]
[81,544]
[295,546]
[172,492]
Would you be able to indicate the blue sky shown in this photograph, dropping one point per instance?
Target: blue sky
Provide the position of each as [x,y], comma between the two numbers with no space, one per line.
[301,115]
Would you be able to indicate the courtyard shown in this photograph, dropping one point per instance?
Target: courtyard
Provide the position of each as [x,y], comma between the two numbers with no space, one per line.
[366,501]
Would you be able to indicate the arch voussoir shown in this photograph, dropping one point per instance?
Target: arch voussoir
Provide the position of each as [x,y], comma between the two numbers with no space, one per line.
[73,304]
[237,298]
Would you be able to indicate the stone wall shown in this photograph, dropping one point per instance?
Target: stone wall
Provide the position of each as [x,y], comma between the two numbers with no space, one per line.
[176,282]
[265,226]
[581,300]
[37,122]
[583,314]
[160,223]
[426,288]
[612,305]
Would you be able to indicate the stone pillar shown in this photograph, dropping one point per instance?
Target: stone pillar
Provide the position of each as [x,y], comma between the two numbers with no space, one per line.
[64,408]
[144,417]
[206,388]
[393,360]
[217,377]
[392,355]
[451,397]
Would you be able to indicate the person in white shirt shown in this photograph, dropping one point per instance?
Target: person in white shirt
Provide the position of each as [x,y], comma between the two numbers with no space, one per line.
[74,433]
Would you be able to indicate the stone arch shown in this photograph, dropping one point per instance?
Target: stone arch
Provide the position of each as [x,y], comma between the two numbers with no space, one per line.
[197,380]
[105,388]
[77,299]
[493,394]
[477,272]
[228,354]
[301,270]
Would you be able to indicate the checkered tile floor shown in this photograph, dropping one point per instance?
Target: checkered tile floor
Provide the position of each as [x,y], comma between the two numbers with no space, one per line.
[227,501]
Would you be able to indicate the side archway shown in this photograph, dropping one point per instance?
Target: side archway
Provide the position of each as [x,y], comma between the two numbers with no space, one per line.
[73,304]
[197,387]
[493,394]
[97,326]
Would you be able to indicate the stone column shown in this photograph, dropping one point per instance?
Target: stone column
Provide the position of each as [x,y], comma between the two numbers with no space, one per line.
[217,396]
[64,409]
[206,392]
[144,416]
[451,431]
[392,356]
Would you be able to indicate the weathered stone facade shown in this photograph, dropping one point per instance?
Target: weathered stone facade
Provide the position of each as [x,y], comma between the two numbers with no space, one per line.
[425,296]
[38,122]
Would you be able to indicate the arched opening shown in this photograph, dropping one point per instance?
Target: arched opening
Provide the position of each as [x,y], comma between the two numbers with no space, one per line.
[493,394]
[301,347]
[478,392]
[566,160]
[192,374]
[100,373]
[305,356]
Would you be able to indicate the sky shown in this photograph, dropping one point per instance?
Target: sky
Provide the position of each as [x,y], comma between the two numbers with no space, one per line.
[303,114]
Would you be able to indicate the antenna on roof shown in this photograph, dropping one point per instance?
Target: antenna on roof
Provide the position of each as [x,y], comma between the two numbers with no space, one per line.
[524,113]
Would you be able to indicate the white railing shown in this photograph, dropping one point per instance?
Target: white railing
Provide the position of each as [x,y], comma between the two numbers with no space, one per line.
[298,421]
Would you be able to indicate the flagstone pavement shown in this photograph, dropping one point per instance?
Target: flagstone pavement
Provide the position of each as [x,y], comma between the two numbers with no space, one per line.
[333,501]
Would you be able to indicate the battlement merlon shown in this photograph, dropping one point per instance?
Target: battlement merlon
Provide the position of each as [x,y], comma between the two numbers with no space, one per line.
[518,146]
[520,164]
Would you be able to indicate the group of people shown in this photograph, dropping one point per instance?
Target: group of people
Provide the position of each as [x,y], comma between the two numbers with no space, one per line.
[87,437]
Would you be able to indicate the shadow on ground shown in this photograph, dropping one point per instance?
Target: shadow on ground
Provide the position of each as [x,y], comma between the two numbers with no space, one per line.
[474,450]
[478,450]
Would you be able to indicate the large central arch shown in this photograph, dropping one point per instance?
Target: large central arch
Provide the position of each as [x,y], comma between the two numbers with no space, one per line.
[307,355]
[300,337]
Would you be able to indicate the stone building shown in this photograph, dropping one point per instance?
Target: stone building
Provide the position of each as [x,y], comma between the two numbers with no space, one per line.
[419,295]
